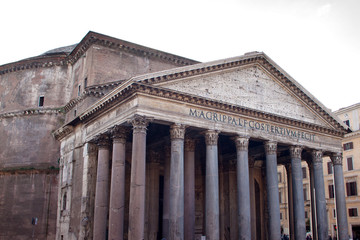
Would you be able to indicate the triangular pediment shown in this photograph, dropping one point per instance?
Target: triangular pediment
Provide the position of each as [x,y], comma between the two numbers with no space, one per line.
[249,87]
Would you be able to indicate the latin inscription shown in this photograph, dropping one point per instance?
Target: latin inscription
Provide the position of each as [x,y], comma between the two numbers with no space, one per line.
[250,124]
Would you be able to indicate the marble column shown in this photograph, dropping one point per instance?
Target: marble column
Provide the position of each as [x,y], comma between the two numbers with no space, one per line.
[252,198]
[297,192]
[176,211]
[152,195]
[102,188]
[212,221]
[290,200]
[272,190]
[341,213]
[138,179]
[321,214]
[244,220]
[166,203]
[189,189]
[313,213]
[117,190]
[233,204]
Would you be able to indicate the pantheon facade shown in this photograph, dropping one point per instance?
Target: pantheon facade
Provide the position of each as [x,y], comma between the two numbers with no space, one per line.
[192,153]
[150,145]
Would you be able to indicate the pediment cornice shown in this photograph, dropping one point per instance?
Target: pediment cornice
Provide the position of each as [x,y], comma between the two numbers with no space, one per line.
[133,88]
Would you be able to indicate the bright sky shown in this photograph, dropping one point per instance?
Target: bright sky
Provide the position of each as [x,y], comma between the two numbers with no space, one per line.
[317,42]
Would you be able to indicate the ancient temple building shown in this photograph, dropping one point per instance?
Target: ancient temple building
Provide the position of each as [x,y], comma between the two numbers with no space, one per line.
[153,146]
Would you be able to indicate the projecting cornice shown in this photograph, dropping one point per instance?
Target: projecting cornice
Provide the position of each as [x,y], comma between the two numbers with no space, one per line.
[132,88]
[90,39]
[254,58]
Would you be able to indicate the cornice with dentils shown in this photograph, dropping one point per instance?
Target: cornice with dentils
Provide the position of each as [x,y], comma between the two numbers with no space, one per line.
[91,38]
[202,68]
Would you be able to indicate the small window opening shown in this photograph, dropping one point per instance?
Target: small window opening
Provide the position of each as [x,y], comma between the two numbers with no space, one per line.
[85,82]
[64,202]
[41,101]
[75,113]
[79,90]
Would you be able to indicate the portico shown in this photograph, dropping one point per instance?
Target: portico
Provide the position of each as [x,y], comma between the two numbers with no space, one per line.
[194,152]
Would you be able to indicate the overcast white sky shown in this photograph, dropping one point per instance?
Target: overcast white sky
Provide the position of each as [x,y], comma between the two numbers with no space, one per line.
[317,42]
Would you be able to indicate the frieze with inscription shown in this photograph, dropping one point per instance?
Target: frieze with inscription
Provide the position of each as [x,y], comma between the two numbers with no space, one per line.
[250,124]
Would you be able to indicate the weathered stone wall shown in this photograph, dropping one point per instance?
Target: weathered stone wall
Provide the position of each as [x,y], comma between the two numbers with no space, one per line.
[26,141]
[25,195]
[21,90]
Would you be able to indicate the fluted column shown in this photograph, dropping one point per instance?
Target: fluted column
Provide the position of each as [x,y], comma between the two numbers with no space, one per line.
[321,215]
[166,201]
[298,193]
[340,196]
[117,190]
[137,179]
[176,216]
[313,213]
[212,221]
[152,195]
[290,200]
[189,188]
[102,188]
[272,190]
[244,221]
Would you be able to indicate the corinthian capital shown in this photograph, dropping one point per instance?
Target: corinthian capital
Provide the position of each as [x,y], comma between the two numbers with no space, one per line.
[102,140]
[211,137]
[270,147]
[242,143]
[177,131]
[295,151]
[336,158]
[317,156]
[119,133]
[139,123]
[190,145]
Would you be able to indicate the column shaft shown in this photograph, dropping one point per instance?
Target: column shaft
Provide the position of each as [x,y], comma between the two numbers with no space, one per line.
[212,221]
[152,193]
[117,190]
[341,214]
[290,201]
[166,201]
[176,216]
[137,181]
[313,213]
[189,188]
[321,214]
[102,189]
[252,199]
[233,203]
[272,189]
[298,194]
[243,189]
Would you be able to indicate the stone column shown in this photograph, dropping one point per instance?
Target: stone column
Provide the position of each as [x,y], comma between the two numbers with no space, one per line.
[212,222]
[321,215]
[189,188]
[272,190]
[166,203]
[297,192]
[102,188]
[252,197]
[341,213]
[243,189]
[137,179]
[152,195]
[117,190]
[313,213]
[233,204]
[290,200]
[176,216]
